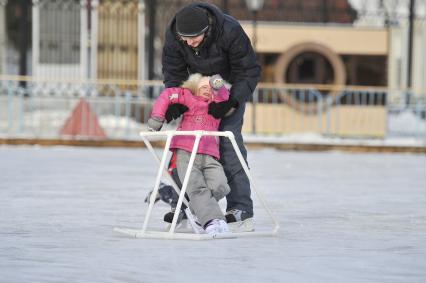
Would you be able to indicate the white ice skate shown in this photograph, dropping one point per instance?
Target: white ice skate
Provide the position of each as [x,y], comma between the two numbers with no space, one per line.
[239,221]
[246,225]
[217,226]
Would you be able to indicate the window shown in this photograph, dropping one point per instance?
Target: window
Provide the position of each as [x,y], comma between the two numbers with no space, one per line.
[59,32]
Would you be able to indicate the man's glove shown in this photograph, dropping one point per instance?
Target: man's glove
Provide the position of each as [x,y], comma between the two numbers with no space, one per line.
[174,111]
[220,109]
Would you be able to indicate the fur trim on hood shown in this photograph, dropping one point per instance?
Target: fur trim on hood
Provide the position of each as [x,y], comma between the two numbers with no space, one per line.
[192,82]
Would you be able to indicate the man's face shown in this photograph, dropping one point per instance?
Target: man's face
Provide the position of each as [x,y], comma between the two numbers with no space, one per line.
[194,41]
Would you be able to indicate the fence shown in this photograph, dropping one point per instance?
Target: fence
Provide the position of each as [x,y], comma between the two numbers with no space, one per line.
[42,110]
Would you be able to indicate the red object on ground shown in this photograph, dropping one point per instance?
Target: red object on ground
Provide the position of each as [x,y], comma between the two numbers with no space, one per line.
[83,122]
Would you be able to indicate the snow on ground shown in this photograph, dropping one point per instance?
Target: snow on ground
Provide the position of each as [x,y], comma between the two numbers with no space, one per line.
[344,218]
[406,123]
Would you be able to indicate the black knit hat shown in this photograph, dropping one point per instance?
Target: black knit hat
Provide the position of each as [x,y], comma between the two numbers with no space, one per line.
[191,21]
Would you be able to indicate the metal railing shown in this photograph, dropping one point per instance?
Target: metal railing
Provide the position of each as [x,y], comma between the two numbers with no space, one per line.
[41,109]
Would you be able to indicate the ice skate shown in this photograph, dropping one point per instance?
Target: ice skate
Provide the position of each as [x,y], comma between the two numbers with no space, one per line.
[217,226]
[165,193]
[239,221]
[182,221]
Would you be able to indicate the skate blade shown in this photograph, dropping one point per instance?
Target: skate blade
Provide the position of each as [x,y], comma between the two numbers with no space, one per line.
[242,226]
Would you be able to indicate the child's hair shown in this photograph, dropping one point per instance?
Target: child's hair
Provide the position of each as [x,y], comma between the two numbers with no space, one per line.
[192,82]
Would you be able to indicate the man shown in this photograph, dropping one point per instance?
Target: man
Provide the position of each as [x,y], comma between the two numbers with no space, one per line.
[202,39]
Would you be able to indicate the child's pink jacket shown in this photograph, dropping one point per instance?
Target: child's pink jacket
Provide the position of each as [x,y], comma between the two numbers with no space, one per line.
[196,118]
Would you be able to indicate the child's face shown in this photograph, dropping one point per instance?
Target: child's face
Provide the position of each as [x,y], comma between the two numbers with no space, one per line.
[204,90]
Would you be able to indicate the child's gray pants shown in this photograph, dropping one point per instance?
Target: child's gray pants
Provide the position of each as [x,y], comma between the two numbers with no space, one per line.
[207,184]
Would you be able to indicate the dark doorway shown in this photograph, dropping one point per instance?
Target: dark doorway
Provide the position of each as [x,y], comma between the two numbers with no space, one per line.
[310,68]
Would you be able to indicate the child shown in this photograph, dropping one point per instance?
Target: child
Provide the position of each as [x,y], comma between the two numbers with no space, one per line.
[207,183]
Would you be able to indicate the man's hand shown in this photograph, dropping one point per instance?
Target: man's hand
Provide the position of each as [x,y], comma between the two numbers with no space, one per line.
[174,111]
[220,109]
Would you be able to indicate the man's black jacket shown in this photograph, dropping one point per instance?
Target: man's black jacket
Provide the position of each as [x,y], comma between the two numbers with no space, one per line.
[226,50]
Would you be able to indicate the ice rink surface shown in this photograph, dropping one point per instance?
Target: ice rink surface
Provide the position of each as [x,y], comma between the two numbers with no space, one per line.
[344,217]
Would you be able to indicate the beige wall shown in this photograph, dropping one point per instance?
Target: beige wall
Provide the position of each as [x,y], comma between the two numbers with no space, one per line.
[276,38]
[349,121]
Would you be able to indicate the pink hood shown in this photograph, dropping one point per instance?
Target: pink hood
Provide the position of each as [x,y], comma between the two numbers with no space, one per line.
[196,118]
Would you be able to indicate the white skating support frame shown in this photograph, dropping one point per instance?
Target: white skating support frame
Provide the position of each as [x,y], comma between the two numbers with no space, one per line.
[171,234]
